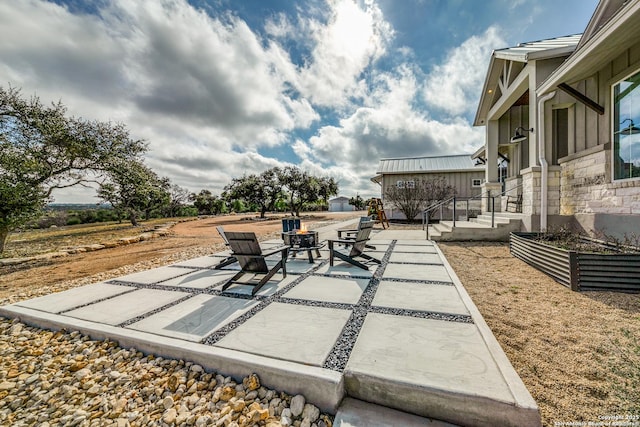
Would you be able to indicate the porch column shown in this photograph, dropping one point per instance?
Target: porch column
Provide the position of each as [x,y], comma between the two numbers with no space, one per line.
[491,183]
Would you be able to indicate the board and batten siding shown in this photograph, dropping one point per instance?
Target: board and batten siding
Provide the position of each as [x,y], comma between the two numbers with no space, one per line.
[462,181]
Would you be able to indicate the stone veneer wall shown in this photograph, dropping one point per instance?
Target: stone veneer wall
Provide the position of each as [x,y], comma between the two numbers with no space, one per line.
[598,204]
[531,182]
[585,188]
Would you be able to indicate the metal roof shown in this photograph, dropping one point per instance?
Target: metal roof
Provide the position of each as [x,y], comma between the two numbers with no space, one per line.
[461,162]
[548,48]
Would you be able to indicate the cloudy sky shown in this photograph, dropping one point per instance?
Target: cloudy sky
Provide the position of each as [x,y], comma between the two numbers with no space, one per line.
[222,88]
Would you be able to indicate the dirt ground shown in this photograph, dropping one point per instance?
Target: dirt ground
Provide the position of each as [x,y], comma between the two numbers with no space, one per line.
[189,237]
[577,353]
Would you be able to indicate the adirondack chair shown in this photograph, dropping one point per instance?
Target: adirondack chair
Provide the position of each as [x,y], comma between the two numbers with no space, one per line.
[357,244]
[350,233]
[247,251]
[228,260]
[290,224]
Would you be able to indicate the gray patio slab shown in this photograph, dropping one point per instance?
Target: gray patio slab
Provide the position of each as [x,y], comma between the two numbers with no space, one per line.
[419,297]
[200,279]
[329,289]
[125,307]
[201,262]
[66,300]
[290,332]
[393,234]
[276,283]
[426,272]
[356,413]
[156,275]
[433,368]
[195,318]
[413,257]
[341,268]
[416,242]
[425,249]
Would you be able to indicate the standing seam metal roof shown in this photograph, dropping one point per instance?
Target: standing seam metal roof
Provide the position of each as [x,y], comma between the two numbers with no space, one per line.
[546,47]
[427,164]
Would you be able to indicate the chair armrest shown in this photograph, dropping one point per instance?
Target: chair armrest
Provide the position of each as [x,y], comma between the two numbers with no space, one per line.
[275,250]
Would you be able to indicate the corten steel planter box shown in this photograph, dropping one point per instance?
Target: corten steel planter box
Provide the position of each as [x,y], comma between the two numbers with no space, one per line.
[580,271]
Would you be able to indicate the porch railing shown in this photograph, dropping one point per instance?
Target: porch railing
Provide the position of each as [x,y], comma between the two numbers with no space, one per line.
[453,202]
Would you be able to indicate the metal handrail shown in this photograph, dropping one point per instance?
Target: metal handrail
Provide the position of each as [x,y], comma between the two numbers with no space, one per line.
[426,212]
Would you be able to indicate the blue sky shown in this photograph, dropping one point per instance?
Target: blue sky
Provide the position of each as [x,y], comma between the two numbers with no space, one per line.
[222,88]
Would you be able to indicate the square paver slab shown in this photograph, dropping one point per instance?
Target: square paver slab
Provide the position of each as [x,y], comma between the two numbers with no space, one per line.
[424,249]
[63,301]
[329,289]
[155,275]
[195,318]
[415,257]
[291,332]
[341,268]
[426,354]
[419,297]
[201,262]
[124,307]
[276,283]
[426,272]
[200,279]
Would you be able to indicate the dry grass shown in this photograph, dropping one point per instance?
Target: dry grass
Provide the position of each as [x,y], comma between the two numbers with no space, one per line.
[577,353]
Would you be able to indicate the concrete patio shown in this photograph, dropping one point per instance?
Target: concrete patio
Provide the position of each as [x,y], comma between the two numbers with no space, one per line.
[401,341]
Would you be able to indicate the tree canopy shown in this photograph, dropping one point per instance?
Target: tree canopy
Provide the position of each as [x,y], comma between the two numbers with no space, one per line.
[43,149]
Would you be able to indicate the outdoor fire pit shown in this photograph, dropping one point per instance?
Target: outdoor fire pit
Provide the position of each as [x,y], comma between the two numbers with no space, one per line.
[302,240]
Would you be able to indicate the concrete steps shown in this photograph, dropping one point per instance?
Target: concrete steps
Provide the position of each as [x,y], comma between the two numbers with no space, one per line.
[478,229]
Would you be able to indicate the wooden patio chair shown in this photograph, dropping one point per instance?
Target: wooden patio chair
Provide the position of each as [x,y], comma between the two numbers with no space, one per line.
[228,260]
[515,202]
[358,245]
[350,233]
[290,224]
[247,251]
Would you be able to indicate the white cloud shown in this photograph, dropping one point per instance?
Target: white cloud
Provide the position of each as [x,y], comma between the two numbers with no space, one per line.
[209,93]
[455,85]
[355,36]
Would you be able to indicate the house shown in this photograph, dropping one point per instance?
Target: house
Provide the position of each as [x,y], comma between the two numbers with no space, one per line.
[459,171]
[562,116]
[340,204]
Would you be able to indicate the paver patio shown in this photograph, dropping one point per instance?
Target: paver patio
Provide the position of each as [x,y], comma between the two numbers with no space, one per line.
[402,335]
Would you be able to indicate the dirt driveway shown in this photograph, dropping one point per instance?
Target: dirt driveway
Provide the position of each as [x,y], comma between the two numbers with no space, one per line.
[187,239]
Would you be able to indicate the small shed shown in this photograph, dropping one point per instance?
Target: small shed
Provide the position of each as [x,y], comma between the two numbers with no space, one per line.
[340,204]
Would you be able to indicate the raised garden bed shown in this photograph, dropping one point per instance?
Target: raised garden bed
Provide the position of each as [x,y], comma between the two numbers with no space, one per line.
[576,269]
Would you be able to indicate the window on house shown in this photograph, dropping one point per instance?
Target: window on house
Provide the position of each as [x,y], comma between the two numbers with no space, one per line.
[399,184]
[410,184]
[626,128]
[560,147]
[476,182]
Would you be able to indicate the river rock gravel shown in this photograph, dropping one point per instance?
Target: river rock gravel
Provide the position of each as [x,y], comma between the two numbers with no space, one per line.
[66,379]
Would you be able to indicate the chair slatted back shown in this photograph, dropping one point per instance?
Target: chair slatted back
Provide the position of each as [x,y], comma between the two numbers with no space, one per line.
[290,224]
[222,234]
[246,249]
[361,238]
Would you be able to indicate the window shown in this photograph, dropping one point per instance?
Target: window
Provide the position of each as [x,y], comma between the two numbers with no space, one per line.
[476,182]
[560,147]
[626,133]
[410,184]
[399,184]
